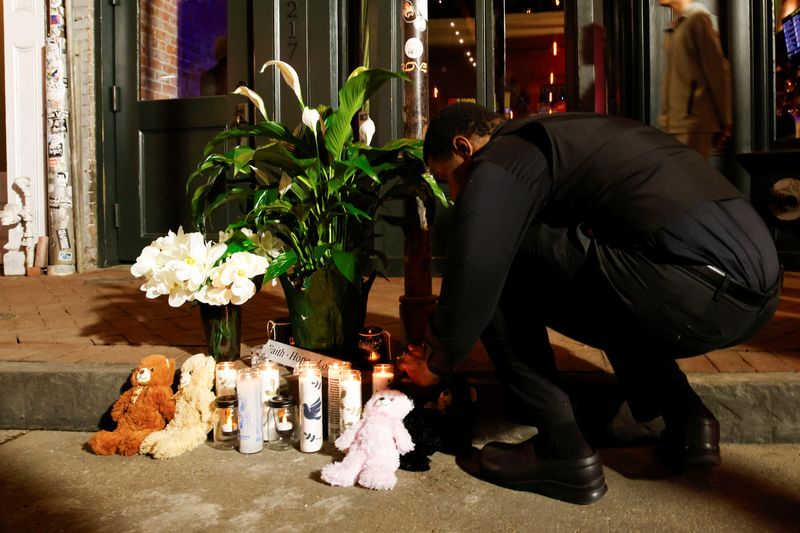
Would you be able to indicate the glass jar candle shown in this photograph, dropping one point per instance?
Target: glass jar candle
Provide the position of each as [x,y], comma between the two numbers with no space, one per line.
[283,412]
[270,385]
[310,388]
[334,424]
[226,422]
[225,378]
[349,398]
[382,377]
[248,392]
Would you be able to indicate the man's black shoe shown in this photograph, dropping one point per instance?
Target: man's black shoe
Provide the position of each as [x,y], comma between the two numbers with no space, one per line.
[516,466]
[695,442]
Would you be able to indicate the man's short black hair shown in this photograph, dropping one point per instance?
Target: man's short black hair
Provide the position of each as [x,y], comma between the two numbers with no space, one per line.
[462,118]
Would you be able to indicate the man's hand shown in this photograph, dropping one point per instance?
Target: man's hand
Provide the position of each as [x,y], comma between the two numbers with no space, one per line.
[414,363]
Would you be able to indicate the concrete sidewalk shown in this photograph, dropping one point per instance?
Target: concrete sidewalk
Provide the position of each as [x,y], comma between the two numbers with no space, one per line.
[67,344]
[51,483]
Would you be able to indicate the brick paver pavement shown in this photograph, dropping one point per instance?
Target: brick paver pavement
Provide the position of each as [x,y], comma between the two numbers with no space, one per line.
[102,317]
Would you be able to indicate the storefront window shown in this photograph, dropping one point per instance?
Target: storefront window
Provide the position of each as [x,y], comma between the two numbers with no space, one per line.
[535,79]
[451,53]
[183,48]
[787,72]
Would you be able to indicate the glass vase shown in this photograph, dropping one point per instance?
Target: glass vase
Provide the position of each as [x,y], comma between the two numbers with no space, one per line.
[222,325]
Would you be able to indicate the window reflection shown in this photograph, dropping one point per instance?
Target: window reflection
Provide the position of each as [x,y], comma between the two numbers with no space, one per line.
[787,71]
[182,48]
[535,63]
[451,53]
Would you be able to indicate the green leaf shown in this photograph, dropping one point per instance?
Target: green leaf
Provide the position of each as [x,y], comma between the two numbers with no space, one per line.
[346,263]
[437,191]
[281,264]
[352,96]
[361,163]
[353,210]
[242,155]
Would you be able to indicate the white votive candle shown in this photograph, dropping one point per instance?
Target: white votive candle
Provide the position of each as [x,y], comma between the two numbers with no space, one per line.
[382,377]
[270,384]
[248,391]
[225,378]
[310,388]
[334,372]
[349,398]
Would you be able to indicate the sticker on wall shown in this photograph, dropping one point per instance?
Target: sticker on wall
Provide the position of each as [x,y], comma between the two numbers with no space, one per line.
[409,13]
[414,48]
[411,66]
[63,240]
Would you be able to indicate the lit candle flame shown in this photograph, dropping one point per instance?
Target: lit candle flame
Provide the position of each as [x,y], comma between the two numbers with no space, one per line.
[374,356]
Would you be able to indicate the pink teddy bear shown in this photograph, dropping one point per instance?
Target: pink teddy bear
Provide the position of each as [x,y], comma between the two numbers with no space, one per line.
[374,444]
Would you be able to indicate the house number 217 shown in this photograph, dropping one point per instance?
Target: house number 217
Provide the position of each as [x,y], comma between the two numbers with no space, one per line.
[291,24]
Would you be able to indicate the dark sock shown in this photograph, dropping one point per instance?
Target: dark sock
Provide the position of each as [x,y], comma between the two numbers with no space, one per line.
[683,405]
[561,441]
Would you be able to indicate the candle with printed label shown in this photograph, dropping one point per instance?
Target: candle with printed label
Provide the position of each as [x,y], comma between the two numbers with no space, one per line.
[334,371]
[248,392]
[225,378]
[382,377]
[349,398]
[310,388]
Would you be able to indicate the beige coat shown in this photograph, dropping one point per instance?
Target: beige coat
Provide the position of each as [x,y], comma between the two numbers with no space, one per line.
[696,94]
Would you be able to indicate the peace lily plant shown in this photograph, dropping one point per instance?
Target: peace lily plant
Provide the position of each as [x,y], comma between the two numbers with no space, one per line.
[315,187]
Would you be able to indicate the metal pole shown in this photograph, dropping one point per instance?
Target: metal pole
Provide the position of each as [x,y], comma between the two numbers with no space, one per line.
[418,301]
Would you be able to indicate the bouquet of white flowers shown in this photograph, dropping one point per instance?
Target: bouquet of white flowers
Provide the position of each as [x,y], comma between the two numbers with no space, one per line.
[187,267]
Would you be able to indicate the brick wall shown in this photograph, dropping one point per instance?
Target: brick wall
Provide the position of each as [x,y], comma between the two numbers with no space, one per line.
[178,43]
[158,53]
[83,138]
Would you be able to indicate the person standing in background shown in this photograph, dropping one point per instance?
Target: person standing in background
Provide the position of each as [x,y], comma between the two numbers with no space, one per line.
[696,100]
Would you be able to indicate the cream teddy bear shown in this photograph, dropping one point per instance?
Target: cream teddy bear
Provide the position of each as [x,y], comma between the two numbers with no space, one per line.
[374,444]
[194,412]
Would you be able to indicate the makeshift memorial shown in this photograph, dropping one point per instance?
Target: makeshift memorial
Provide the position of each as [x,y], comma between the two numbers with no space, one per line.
[373,446]
[283,412]
[375,345]
[382,377]
[226,423]
[248,394]
[225,378]
[349,398]
[319,190]
[310,387]
[141,410]
[334,374]
[194,412]
[219,276]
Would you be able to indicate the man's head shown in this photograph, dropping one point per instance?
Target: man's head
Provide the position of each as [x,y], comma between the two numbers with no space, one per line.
[453,136]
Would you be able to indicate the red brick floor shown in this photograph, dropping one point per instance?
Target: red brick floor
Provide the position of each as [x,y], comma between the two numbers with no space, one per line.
[102,317]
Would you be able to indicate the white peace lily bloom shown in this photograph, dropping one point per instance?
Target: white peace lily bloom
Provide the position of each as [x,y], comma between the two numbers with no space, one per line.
[269,245]
[289,76]
[254,97]
[285,183]
[214,296]
[236,272]
[310,119]
[147,261]
[366,130]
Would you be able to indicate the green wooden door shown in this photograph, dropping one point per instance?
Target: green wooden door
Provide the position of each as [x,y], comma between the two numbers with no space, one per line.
[168,104]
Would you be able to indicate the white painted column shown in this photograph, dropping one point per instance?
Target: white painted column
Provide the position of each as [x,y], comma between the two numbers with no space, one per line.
[24,30]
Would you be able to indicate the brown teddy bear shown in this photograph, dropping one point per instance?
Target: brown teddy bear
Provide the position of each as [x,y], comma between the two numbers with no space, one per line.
[145,408]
